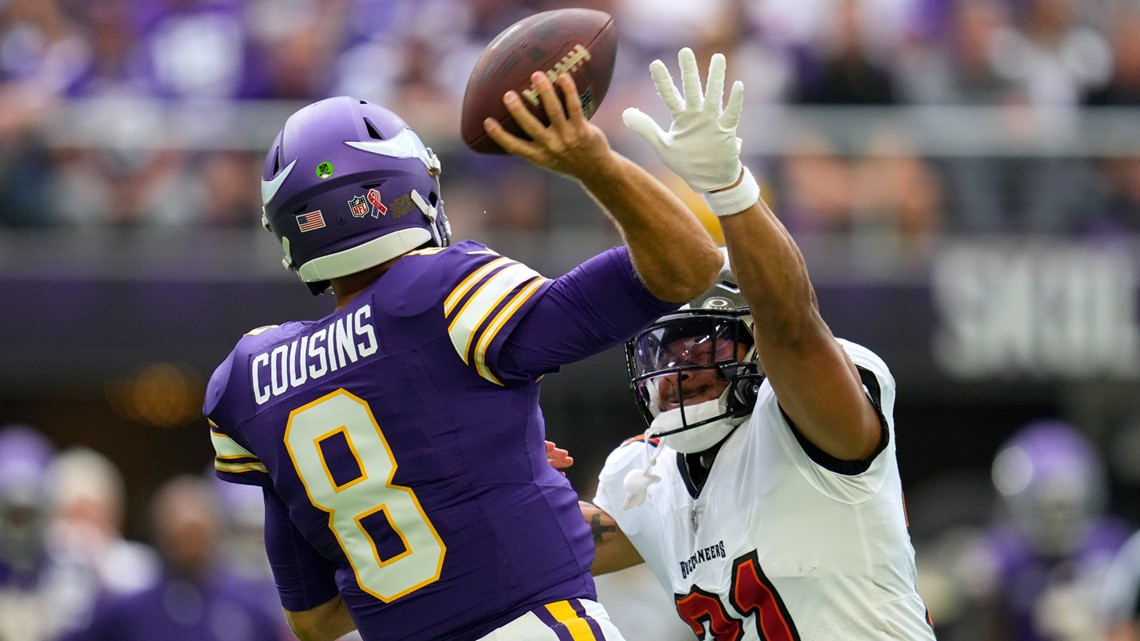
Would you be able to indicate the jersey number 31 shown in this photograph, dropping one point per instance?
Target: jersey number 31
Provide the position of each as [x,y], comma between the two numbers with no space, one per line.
[751,593]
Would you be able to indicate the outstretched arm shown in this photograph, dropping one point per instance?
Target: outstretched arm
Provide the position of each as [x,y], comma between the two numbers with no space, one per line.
[674,255]
[815,381]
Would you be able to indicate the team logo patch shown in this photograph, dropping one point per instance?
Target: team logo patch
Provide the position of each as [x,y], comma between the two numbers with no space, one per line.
[310,221]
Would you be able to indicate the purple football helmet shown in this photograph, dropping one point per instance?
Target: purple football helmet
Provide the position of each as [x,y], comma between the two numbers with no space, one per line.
[1053,482]
[348,185]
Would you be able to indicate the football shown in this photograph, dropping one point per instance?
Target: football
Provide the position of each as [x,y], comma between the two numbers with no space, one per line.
[581,42]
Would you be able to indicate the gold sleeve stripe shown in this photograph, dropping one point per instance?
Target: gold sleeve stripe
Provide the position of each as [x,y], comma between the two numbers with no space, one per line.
[227,448]
[238,468]
[462,288]
[482,302]
[497,324]
[578,627]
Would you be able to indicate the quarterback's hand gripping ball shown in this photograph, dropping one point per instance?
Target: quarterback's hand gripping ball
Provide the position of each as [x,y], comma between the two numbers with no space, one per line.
[580,42]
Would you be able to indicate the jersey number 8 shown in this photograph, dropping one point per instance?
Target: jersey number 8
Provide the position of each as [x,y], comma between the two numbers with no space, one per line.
[365,506]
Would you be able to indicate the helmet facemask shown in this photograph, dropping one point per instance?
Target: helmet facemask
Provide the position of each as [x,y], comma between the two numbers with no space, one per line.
[694,376]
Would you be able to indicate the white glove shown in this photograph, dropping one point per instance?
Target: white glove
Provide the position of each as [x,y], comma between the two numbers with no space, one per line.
[701,145]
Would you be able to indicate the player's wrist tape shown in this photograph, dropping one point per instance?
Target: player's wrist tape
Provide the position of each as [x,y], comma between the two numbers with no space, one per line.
[735,199]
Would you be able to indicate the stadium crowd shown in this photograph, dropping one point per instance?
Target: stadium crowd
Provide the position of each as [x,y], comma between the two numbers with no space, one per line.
[892,122]
[128,114]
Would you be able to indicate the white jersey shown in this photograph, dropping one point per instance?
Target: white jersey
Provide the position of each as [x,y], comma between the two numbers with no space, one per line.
[777,546]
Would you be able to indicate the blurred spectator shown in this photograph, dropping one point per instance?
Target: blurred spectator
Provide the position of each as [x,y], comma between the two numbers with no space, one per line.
[30,579]
[123,74]
[986,58]
[193,49]
[1121,595]
[243,562]
[960,66]
[657,28]
[124,174]
[1056,54]
[40,53]
[842,70]
[223,192]
[1049,556]
[887,205]
[877,194]
[964,72]
[1119,177]
[899,200]
[295,48]
[1123,84]
[87,499]
[190,601]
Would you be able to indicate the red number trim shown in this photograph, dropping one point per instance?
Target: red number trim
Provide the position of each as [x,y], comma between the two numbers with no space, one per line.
[751,593]
[699,607]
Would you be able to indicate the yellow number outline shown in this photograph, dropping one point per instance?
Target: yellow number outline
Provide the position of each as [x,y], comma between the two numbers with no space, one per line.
[355,500]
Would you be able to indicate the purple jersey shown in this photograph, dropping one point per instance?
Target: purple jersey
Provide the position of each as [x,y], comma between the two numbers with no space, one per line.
[1030,583]
[402,437]
[176,609]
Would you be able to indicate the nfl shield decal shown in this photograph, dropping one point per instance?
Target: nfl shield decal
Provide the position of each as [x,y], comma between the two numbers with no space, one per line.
[361,206]
[358,206]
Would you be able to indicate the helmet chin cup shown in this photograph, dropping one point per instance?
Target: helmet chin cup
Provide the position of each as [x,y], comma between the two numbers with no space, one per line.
[695,428]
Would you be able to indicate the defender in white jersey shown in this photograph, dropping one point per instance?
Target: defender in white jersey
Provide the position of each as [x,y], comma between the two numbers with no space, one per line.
[765,495]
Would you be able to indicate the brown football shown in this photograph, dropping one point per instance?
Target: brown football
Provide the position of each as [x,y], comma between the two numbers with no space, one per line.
[582,42]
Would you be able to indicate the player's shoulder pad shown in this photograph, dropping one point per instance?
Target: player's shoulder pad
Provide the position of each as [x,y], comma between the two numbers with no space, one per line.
[640,438]
[631,454]
[426,277]
[216,388]
[220,379]
[458,252]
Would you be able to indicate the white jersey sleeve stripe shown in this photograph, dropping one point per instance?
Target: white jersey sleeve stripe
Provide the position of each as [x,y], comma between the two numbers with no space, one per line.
[469,282]
[497,324]
[225,447]
[486,298]
[231,457]
[237,468]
